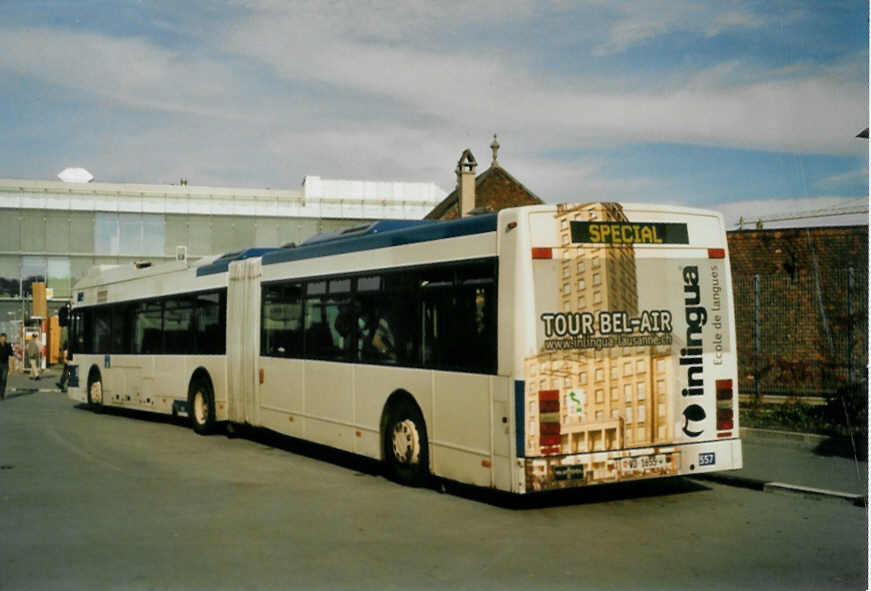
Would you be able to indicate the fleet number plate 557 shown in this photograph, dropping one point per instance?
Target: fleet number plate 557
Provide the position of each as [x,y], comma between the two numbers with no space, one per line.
[707,458]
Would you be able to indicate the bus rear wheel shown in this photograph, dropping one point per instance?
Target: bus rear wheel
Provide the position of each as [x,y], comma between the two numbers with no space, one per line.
[201,407]
[95,394]
[406,450]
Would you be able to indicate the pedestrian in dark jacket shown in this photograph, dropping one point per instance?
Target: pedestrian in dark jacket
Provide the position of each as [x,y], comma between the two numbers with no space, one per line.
[65,375]
[6,354]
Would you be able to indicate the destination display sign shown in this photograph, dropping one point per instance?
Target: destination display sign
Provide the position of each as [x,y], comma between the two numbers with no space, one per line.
[629,233]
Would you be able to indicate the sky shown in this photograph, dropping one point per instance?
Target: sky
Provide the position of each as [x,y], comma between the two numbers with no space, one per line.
[750,108]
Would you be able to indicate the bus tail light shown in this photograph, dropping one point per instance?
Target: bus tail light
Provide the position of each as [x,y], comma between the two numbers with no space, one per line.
[716,253]
[725,416]
[549,421]
[724,390]
[542,253]
[724,419]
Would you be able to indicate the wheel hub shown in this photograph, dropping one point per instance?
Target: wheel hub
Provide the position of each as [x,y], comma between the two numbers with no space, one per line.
[201,408]
[406,442]
[96,393]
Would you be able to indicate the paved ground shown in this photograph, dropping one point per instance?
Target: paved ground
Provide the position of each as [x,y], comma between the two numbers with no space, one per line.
[131,501]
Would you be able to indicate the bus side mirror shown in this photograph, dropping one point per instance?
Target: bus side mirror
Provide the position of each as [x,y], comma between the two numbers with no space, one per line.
[63,316]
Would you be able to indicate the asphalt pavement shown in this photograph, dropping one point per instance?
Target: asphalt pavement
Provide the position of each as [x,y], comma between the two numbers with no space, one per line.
[132,500]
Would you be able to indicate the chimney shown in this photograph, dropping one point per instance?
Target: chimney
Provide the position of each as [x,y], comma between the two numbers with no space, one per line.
[466,182]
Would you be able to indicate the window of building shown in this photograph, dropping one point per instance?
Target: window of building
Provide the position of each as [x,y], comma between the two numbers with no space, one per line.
[597,279]
[129,234]
[597,297]
[583,378]
[641,388]
[614,371]
[627,368]
[581,285]
[661,409]
[628,414]
[615,394]
[627,392]
[600,395]
[640,366]
[600,415]
[642,415]
[10,277]
[596,262]
[580,266]
[600,374]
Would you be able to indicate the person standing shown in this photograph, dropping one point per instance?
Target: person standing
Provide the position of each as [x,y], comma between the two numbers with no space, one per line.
[5,354]
[32,351]
[65,375]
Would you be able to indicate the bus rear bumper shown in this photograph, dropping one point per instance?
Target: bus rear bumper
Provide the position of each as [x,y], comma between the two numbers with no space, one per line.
[584,469]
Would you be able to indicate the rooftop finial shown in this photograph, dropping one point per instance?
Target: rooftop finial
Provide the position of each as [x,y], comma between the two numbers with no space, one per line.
[495,147]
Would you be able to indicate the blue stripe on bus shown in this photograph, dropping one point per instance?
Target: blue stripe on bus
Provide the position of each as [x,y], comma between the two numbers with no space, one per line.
[221,265]
[424,233]
[519,394]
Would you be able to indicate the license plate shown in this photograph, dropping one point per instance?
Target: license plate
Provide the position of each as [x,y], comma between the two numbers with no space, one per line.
[651,461]
[568,472]
[708,458]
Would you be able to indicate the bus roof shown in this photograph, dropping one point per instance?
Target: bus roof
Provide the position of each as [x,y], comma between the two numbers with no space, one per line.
[369,238]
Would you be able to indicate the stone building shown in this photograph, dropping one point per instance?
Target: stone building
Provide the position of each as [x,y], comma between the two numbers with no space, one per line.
[492,190]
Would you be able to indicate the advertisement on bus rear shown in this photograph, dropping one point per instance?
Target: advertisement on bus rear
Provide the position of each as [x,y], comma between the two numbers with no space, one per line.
[630,331]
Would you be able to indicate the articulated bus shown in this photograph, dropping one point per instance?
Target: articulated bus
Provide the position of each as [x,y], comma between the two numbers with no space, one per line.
[537,348]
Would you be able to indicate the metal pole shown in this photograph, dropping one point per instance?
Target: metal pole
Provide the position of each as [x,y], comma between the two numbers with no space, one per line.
[756,336]
[851,282]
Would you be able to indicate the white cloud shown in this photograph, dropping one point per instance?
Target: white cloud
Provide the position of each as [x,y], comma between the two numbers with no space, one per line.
[851,176]
[639,22]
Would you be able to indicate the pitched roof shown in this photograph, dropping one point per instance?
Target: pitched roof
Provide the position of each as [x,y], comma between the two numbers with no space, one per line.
[452,199]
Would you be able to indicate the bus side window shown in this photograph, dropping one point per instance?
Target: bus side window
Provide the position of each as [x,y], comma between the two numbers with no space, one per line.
[121,322]
[281,322]
[148,328]
[210,323]
[102,329]
[437,319]
[178,319]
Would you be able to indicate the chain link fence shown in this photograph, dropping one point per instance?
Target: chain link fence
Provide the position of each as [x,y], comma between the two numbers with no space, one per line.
[801,335]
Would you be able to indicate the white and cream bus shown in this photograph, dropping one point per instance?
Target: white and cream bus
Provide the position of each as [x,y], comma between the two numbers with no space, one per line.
[541,347]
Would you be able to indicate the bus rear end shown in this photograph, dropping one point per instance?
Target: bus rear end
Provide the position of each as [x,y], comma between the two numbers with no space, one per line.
[626,364]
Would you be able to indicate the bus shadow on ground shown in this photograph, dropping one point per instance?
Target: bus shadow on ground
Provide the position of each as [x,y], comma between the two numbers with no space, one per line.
[361,465]
[141,415]
[585,495]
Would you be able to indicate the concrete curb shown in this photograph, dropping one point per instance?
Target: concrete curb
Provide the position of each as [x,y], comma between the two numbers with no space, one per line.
[785,438]
[783,488]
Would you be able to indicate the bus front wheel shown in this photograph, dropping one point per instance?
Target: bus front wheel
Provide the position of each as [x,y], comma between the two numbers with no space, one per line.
[201,406]
[406,450]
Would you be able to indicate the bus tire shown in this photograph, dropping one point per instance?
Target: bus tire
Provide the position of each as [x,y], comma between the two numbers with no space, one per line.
[201,406]
[406,449]
[95,392]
